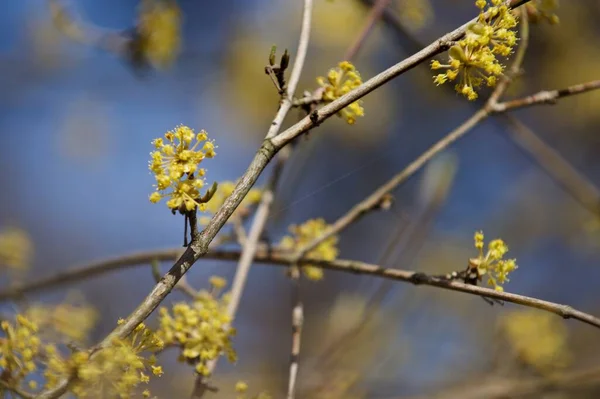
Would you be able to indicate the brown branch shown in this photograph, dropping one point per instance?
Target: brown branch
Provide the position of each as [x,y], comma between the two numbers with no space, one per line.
[374,15]
[362,268]
[547,96]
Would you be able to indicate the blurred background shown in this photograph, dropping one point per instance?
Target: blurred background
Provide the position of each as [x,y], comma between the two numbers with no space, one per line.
[76,124]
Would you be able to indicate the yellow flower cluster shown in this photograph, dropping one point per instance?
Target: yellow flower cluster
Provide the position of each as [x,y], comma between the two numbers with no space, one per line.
[340,81]
[415,14]
[224,190]
[199,328]
[15,249]
[175,165]
[19,349]
[538,10]
[492,262]
[474,57]
[159,30]
[304,234]
[63,322]
[538,338]
[114,372]
[241,387]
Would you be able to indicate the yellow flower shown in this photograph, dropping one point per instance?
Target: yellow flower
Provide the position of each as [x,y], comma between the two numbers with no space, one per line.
[492,262]
[20,347]
[474,57]
[63,322]
[305,233]
[538,338]
[340,81]
[538,10]
[241,386]
[15,249]
[224,190]
[159,31]
[175,165]
[116,371]
[218,282]
[199,329]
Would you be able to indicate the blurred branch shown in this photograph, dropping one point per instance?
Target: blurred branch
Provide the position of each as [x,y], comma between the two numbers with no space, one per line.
[499,388]
[261,215]
[574,183]
[285,259]
[17,391]
[297,323]
[269,148]
[374,15]
[547,96]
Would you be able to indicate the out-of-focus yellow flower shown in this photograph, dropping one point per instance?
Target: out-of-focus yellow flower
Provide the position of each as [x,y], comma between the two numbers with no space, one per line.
[224,190]
[16,249]
[414,14]
[115,371]
[540,339]
[159,30]
[19,349]
[200,329]
[63,322]
[304,234]
[542,10]
[340,81]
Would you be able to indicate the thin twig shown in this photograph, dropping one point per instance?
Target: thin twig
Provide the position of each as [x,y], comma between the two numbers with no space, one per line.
[567,177]
[374,16]
[285,259]
[297,323]
[547,96]
[261,215]
[286,102]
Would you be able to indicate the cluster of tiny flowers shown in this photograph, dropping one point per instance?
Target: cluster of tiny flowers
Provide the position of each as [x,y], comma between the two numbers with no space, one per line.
[15,249]
[114,372]
[224,190]
[20,347]
[304,234]
[241,387]
[539,339]
[64,322]
[200,329]
[474,57]
[340,81]
[159,29]
[492,263]
[175,165]
[539,10]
